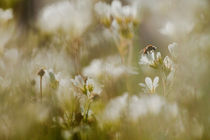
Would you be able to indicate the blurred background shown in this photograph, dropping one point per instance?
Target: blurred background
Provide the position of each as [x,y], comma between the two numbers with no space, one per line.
[77,41]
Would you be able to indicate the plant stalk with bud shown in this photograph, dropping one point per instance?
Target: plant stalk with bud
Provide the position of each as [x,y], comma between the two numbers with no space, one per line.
[41,74]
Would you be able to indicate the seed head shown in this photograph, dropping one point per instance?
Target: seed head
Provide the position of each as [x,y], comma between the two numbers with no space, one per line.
[41,72]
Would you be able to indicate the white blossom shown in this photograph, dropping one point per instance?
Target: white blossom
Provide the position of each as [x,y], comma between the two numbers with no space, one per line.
[168,63]
[116,8]
[78,82]
[6,15]
[150,86]
[154,104]
[87,86]
[115,108]
[70,17]
[172,49]
[168,29]
[110,66]
[152,59]
[103,9]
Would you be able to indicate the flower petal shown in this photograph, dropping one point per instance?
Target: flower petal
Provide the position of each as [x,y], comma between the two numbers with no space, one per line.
[148,82]
[158,55]
[168,63]
[142,85]
[155,82]
[171,48]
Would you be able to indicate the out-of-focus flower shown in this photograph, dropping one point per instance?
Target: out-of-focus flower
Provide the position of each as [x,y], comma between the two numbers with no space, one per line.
[104,12]
[168,63]
[150,85]
[168,29]
[116,7]
[120,19]
[111,66]
[177,27]
[70,17]
[138,107]
[50,59]
[5,15]
[172,49]
[115,108]
[12,55]
[6,30]
[127,13]
[152,59]
[154,104]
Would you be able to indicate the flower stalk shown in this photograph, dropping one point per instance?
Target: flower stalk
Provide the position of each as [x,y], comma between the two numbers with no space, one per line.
[41,74]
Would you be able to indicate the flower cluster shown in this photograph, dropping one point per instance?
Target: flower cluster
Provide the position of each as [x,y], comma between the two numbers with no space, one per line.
[166,66]
[87,86]
[111,66]
[152,59]
[120,18]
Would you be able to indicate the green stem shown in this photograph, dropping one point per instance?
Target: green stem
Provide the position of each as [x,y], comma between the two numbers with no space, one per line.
[86,115]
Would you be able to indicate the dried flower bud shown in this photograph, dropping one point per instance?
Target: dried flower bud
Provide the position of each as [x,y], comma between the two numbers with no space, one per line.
[33,82]
[41,72]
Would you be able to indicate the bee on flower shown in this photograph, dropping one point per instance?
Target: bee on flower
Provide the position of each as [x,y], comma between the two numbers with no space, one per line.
[152,59]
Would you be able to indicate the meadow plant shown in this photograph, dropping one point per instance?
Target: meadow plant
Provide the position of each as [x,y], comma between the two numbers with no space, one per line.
[111,69]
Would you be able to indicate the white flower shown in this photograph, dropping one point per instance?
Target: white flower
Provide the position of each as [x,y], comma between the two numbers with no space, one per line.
[87,86]
[154,104]
[111,66]
[69,16]
[150,85]
[129,11]
[120,11]
[168,63]
[93,87]
[6,15]
[115,108]
[78,82]
[103,9]
[168,29]
[172,49]
[177,27]
[116,8]
[152,59]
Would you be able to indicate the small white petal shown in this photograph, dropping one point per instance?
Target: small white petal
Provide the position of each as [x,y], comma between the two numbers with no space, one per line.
[168,63]
[153,56]
[155,81]
[148,82]
[142,85]
[116,8]
[144,60]
[158,55]
[171,48]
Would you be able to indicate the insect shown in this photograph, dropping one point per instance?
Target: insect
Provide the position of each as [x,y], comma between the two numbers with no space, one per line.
[148,49]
